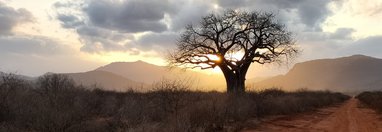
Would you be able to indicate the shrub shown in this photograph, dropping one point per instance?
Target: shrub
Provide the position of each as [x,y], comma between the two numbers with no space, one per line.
[372,99]
[55,103]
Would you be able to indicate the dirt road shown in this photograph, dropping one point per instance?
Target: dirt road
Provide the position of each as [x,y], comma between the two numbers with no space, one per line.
[348,117]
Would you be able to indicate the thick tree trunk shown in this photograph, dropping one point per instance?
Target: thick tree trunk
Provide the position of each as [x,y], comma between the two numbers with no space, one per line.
[235,83]
[235,80]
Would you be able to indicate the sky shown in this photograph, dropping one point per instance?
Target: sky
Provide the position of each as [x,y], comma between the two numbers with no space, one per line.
[80,35]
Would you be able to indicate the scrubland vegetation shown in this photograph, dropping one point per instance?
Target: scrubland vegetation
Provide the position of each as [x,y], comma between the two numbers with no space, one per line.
[372,99]
[55,103]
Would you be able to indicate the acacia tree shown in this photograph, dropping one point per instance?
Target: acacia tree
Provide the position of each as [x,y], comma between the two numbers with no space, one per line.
[219,39]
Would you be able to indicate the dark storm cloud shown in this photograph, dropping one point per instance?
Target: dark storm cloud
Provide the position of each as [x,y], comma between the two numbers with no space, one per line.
[98,39]
[313,12]
[309,12]
[236,3]
[10,17]
[69,21]
[128,16]
[102,33]
[107,25]
[157,40]
[189,13]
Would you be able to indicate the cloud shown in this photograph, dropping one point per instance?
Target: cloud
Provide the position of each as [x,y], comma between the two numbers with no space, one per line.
[189,12]
[311,13]
[342,33]
[130,16]
[31,45]
[368,46]
[159,41]
[109,25]
[324,44]
[127,16]
[33,54]
[69,21]
[98,39]
[337,44]
[235,4]
[10,18]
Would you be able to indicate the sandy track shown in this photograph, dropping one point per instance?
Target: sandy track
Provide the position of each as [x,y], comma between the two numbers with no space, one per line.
[348,117]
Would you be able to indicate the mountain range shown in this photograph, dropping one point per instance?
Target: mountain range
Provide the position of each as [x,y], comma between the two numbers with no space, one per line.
[351,73]
[106,80]
[345,74]
[141,76]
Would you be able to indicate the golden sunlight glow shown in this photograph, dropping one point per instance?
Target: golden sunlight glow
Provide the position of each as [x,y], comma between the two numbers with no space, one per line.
[230,56]
[127,57]
[216,70]
[214,57]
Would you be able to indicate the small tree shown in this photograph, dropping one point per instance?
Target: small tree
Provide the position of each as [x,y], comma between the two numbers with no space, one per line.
[219,39]
[55,87]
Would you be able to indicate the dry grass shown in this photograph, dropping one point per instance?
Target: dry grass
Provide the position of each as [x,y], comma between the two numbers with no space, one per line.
[54,103]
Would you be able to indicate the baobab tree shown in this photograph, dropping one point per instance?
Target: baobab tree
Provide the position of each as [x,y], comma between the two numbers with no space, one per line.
[233,41]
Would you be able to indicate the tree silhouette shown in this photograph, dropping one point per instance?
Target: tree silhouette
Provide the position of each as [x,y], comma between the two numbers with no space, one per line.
[219,39]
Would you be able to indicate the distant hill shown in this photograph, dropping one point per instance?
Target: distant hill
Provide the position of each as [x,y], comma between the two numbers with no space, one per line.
[18,75]
[107,81]
[97,79]
[147,73]
[138,71]
[347,74]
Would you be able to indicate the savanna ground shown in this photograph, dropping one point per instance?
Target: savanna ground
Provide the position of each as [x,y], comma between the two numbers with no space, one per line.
[351,116]
[55,103]
[359,114]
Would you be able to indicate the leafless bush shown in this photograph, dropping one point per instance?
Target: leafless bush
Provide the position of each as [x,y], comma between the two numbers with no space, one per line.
[169,95]
[55,103]
[371,99]
[54,85]
[11,88]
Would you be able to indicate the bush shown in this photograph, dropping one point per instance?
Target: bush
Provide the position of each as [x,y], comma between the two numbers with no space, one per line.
[371,99]
[55,103]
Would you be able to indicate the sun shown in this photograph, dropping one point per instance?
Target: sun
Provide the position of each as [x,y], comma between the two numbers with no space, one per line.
[214,57]
[230,56]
